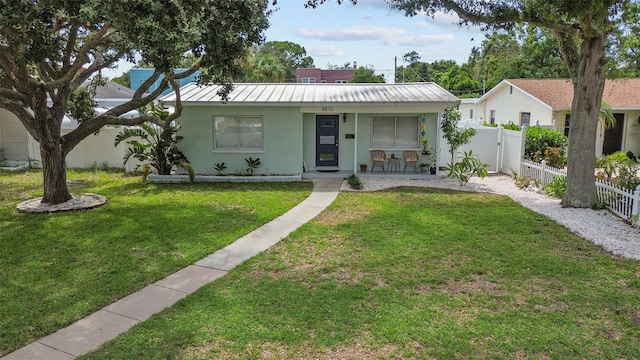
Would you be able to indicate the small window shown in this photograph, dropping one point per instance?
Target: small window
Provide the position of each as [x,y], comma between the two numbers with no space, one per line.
[471,114]
[389,131]
[341,81]
[308,80]
[525,119]
[492,117]
[567,117]
[237,133]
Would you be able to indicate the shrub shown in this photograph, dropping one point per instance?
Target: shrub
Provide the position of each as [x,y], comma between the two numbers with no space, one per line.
[155,146]
[539,139]
[252,164]
[557,187]
[627,178]
[354,182]
[553,156]
[220,167]
[464,169]
[609,163]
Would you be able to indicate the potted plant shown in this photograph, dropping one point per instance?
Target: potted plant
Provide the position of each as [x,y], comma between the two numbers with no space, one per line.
[423,167]
[363,167]
[425,151]
[433,162]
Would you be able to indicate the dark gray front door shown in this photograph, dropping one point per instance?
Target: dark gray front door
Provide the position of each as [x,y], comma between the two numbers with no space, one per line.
[327,140]
[613,137]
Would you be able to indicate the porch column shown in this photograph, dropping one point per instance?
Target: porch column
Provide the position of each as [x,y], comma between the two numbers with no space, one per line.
[355,146]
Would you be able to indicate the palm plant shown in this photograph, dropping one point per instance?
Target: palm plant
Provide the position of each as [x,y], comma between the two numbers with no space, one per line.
[155,146]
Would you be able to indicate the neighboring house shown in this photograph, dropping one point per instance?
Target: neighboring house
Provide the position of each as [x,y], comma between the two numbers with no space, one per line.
[315,75]
[294,128]
[547,102]
[139,75]
[18,145]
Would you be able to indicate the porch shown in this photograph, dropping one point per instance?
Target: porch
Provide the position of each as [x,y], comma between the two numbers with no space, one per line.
[343,174]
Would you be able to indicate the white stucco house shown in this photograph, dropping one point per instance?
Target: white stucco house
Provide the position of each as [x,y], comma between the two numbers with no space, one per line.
[298,128]
[547,102]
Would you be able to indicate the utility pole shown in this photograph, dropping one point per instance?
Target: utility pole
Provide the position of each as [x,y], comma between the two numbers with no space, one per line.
[395,68]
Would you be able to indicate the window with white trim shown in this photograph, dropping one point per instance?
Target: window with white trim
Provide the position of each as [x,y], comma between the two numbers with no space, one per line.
[308,80]
[492,117]
[238,133]
[392,131]
[525,118]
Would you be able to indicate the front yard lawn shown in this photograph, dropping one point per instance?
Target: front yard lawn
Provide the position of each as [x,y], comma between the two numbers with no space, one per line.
[409,273]
[57,268]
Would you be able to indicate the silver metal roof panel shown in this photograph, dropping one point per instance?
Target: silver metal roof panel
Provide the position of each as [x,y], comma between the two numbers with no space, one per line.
[287,94]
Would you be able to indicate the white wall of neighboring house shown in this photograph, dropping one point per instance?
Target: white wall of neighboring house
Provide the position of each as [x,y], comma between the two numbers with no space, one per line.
[13,138]
[469,110]
[509,103]
[93,151]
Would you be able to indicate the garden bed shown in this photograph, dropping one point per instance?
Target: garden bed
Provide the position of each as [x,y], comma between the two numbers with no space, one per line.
[171,179]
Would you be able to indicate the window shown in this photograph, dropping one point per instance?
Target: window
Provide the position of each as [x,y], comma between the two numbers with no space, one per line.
[389,131]
[525,119]
[237,133]
[492,117]
[471,114]
[566,124]
[341,81]
[308,80]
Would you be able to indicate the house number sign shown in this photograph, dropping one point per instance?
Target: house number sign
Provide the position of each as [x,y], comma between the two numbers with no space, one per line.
[327,108]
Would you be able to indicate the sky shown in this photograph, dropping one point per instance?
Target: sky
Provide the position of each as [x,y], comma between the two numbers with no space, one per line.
[369,34]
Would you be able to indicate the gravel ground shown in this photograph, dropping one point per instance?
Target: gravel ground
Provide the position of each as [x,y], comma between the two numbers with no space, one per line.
[600,227]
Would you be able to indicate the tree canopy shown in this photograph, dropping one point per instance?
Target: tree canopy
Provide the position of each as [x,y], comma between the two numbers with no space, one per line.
[48,49]
[583,31]
[366,74]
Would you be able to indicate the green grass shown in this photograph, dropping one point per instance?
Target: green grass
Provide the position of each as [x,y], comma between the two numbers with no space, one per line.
[408,273]
[57,268]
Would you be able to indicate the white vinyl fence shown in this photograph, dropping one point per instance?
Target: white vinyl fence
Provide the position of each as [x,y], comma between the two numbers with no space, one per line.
[500,148]
[625,203]
[622,202]
[540,171]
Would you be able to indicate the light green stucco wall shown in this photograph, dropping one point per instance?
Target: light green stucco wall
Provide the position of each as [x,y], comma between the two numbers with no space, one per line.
[283,138]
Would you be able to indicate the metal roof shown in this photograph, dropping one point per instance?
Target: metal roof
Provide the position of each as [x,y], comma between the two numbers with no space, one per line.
[296,94]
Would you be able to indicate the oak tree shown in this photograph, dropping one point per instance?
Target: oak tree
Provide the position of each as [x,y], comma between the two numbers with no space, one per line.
[49,48]
[582,29]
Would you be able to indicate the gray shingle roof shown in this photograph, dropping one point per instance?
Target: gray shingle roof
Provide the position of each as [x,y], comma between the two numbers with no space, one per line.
[318,94]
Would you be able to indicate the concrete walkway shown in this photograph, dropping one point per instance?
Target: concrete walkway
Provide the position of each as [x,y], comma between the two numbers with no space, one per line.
[89,333]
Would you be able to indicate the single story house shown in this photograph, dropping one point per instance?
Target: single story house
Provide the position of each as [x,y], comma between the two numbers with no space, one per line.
[547,102]
[297,128]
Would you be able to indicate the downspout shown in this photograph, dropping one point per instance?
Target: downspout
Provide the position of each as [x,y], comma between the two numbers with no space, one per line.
[355,146]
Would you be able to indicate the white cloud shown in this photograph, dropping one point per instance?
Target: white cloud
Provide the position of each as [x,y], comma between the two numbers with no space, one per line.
[420,40]
[351,33]
[325,50]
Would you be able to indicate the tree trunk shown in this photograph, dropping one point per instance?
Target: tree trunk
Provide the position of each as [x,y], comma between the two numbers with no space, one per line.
[54,173]
[588,86]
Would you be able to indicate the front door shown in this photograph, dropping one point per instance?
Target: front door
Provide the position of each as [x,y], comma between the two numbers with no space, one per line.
[613,137]
[327,137]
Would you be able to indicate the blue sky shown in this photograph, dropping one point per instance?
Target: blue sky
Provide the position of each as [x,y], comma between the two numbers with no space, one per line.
[368,33]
